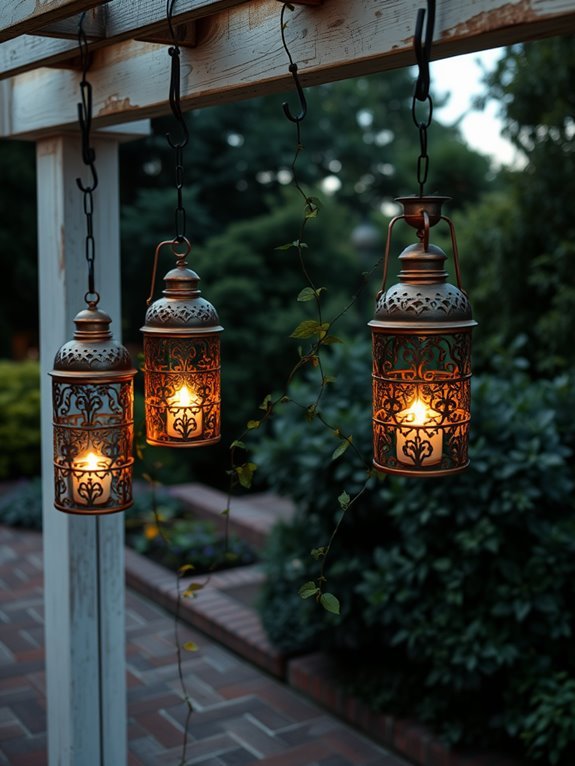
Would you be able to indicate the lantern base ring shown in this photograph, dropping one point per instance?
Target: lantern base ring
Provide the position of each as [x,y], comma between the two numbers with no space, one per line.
[95,511]
[184,444]
[431,473]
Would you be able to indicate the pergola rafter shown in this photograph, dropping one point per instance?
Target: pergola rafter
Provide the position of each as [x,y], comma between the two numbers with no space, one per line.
[236,54]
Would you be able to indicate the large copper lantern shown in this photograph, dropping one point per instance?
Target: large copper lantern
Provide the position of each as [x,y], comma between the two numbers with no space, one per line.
[421,357]
[92,388]
[182,363]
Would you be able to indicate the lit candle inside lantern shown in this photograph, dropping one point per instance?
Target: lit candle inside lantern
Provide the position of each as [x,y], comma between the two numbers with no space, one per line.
[184,414]
[91,480]
[419,440]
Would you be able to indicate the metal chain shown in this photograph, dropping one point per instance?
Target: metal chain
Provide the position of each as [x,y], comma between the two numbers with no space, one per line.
[421,91]
[89,159]
[176,107]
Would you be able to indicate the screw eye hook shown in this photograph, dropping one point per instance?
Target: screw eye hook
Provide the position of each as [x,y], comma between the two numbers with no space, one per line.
[301,95]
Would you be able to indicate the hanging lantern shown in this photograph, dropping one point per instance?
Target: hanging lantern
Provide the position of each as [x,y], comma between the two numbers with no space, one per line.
[92,389]
[421,356]
[181,362]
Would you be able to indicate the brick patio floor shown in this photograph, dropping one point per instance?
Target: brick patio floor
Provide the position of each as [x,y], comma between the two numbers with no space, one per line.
[242,716]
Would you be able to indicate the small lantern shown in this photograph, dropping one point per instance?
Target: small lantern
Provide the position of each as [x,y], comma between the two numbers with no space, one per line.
[92,389]
[182,362]
[421,356]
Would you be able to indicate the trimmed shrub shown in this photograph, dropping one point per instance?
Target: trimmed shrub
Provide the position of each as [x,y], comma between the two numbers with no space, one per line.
[19,419]
[458,594]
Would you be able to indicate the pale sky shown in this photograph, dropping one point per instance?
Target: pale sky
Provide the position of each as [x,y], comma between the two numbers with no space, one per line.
[461,77]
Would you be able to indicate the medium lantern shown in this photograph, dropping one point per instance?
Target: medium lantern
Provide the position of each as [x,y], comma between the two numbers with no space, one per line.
[421,356]
[182,362]
[92,389]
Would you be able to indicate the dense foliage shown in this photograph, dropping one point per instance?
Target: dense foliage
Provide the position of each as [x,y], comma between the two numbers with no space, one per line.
[519,242]
[460,590]
[19,420]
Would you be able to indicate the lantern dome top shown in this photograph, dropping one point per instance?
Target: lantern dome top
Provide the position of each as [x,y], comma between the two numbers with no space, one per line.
[93,348]
[182,309]
[423,294]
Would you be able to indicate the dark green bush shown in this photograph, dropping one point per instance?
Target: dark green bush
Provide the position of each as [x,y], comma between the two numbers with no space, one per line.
[21,506]
[19,419]
[457,593]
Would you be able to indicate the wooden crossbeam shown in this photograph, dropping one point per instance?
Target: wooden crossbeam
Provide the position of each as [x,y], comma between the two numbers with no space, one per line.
[20,18]
[123,20]
[239,55]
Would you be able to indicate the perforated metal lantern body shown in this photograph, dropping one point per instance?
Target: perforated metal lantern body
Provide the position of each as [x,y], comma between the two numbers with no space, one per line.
[93,400]
[182,365]
[422,358]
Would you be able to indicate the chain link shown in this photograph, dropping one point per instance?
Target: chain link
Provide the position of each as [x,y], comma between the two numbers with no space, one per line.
[89,159]
[421,91]
[176,107]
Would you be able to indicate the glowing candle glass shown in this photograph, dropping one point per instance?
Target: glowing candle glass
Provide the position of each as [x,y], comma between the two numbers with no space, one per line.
[91,480]
[185,416]
[419,441]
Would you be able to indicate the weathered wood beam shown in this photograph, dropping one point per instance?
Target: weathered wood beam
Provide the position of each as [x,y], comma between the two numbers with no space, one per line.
[20,18]
[94,26]
[239,55]
[123,20]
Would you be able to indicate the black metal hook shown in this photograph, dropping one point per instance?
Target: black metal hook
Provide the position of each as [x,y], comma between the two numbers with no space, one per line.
[301,95]
[175,104]
[293,69]
[423,49]
[85,111]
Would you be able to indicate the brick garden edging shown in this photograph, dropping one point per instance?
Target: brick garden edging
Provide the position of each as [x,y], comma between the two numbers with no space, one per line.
[221,615]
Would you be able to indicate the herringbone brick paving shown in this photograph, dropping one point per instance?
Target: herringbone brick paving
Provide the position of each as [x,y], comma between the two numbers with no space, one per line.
[242,716]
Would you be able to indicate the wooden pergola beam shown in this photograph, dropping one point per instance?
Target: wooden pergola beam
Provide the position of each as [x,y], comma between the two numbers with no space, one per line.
[118,21]
[19,18]
[239,55]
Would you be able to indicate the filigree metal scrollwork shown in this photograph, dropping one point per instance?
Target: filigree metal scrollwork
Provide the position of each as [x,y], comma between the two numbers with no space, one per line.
[182,390]
[429,372]
[93,434]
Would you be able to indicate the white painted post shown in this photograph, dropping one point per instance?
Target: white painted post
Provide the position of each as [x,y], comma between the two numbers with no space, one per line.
[83,557]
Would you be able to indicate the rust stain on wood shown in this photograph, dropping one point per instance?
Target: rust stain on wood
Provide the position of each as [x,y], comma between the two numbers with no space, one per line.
[509,14]
[115,104]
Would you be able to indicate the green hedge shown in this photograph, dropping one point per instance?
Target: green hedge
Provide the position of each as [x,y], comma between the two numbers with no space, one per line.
[458,594]
[19,419]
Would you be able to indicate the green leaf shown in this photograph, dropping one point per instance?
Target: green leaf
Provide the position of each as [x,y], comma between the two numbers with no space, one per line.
[266,404]
[190,646]
[344,500]
[330,603]
[245,474]
[318,553]
[238,443]
[308,589]
[186,568]
[286,246]
[328,379]
[340,449]
[311,412]
[192,590]
[307,329]
[307,294]
[253,424]
[329,340]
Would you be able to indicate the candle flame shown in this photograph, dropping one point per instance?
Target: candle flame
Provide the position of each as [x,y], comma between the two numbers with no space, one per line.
[418,414]
[91,462]
[183,398]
